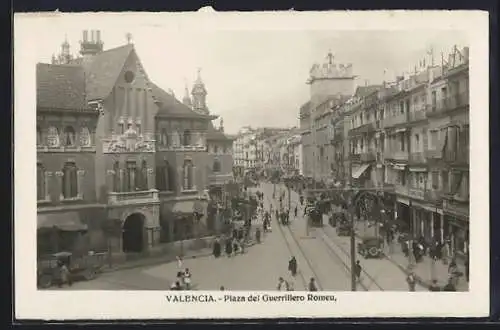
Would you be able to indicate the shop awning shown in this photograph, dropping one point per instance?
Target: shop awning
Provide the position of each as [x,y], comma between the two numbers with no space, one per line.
[418,169]
[399,167]
[67,221]
[356,172]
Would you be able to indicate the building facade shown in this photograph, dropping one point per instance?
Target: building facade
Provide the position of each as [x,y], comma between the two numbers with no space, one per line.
[408,142]
[331,84]
[135,164]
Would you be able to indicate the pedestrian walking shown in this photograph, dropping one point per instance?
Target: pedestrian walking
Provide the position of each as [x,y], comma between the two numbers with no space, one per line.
[434,286]
[187,279]
[281,284]
[217,248]
[222,288]
[289,285]
[179,262]
[295,211]
[65,276]
[180,279]
[412,281]
[257,235]
[292,266]
[312,285]
[229,247]
[450,286]
[357,270]
[235,246]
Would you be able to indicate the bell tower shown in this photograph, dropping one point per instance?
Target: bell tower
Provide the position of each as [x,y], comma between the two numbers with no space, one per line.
[64,57]
[91,44]
[199,94]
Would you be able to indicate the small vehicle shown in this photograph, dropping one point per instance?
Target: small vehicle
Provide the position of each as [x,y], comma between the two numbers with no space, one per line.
[336,218]
[343,227]
[86,267]
[371,247]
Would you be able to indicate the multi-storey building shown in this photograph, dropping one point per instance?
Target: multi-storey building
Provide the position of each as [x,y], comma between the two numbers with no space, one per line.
[409,141]
[120,157]
[245,150]
[330,84]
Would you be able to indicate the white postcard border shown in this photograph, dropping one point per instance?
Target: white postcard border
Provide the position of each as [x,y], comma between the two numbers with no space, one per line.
[56,305]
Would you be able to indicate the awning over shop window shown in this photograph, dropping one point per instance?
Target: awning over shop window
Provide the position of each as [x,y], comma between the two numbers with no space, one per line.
[418,169]
[68,221]
[356,172]
[399,167]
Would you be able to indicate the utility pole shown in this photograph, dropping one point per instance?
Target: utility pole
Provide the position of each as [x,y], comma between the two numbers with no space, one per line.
[351,205]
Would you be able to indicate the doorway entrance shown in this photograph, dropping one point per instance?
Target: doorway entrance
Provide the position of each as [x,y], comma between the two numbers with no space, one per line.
[133,233]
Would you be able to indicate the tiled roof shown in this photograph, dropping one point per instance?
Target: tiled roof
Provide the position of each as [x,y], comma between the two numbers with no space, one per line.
[60,87]
[102,70]
[170,106]
[215,134]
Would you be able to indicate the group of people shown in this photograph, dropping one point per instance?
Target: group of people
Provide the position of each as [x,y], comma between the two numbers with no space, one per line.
[284,285]
[183,280]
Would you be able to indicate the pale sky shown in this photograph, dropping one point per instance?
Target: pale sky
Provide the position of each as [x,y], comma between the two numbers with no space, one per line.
[253,77]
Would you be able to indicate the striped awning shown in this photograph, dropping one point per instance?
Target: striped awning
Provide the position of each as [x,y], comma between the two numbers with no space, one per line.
[67,221]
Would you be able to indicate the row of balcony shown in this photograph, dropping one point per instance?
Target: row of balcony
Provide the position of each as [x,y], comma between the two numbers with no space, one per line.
[448,104]
[420,157]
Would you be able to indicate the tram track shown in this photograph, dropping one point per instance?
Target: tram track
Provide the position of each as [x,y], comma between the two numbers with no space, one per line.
[348,254]
[301,250]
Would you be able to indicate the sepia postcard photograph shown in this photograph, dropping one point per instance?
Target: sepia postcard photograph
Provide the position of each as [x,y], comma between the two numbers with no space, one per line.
[251,165]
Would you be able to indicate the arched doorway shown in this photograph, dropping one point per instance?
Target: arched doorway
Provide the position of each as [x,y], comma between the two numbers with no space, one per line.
[133,233]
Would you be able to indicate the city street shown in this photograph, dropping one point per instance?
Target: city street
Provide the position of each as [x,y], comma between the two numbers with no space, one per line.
[320,253]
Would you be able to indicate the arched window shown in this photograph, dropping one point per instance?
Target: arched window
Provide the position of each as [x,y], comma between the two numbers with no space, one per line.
[85,137]
[53,137]
[69,181]
[116,177]
[186,139]
[216,166]
[40,182]
[188,175]
[69,136]
[38,136]
[144,176]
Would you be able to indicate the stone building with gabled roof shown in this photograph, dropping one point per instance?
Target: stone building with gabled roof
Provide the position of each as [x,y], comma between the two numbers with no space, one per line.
[122,164]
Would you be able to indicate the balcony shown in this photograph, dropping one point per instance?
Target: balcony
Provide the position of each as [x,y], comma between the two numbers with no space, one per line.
[367,156]
[434,195]
[395,120]
[218,179]
[448,104]
[418,158]
[402,190]
[396,155]
[459,209]
[433,154]
[366,128]
[355,157]
[416,193]
[417,115]
[133,197]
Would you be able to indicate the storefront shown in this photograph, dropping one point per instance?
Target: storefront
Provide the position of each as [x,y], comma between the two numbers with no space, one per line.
[458,233]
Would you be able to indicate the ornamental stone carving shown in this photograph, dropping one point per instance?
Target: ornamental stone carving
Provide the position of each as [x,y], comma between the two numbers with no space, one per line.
[130,141]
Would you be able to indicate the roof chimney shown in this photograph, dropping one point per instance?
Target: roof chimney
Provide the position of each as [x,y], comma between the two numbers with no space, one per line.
[92,46]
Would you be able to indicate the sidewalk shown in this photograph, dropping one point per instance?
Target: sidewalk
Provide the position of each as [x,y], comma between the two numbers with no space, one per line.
[425,271]
[152,261]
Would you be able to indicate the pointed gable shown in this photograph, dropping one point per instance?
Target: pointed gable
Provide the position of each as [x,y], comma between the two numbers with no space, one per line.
[103,69]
